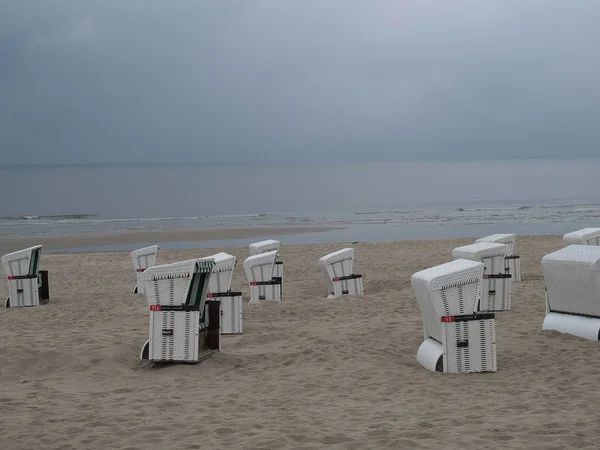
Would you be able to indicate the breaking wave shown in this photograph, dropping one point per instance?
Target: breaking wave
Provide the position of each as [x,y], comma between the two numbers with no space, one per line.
[395,211]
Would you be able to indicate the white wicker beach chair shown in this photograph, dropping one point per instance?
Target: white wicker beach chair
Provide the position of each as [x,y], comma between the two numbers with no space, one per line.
[572,278]
[181,328]
[338,269]
[219,288]
[260,274]
[496,292]
[512,261]
[456,337]
[585,236]
[142,259]
[269,245]
[22,270]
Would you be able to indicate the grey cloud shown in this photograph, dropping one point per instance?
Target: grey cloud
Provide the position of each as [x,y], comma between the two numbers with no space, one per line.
[143,80]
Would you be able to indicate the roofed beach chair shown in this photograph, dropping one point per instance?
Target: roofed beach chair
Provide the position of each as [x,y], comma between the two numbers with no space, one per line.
[142,259]
[585,236]
[512,262]
[338,268]
[457,339]
[268,246]
[260,271]
[22,270]
[496,290]
[219,289]
[572,279]
[183,326]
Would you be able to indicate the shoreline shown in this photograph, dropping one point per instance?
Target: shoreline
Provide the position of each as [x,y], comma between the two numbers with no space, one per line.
[57,244]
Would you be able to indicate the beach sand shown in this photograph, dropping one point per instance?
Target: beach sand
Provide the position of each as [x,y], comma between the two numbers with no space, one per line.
[307,372]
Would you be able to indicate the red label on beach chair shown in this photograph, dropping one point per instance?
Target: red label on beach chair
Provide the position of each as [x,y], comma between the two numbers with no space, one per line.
[253,283]
[11,277]
[208,295]
[336,279]
[447,319]
[155,308]
[140,270]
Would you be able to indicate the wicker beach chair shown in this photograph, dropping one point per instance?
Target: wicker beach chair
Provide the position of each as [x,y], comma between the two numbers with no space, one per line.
[181,329]
[219,289]
[142,259]
[585,236]
[456,338]
[269,245]
[512,261]
[260,274]
[338,269]
[572,279]
[22,270]
[496,291]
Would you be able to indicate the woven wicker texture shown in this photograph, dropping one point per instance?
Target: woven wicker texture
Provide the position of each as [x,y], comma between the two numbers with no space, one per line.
[479,355]
[26,262]
[507,239]
[231,314]
[222,272]
[335,265]
[183,344]
[572,278]
[585,236]
[169,284]
[269,245]
[260,267]
[144,257]
[449,289]
[22,262]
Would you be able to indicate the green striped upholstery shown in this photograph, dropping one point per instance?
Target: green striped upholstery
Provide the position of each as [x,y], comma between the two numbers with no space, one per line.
[199,285]
[204,266]
[35,262]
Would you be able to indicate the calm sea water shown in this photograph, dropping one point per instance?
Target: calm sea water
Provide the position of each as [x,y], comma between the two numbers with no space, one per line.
[375,201]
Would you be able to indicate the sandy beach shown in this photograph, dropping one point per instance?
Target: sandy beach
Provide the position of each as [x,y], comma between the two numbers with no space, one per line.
[307,372]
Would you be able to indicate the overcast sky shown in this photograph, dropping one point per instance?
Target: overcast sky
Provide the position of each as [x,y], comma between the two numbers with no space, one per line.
[223,80]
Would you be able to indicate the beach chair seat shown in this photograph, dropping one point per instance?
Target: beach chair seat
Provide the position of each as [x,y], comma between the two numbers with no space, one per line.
[338,269]
[585,236]
[142,259]
[22,271]
[457,338]
[184,327]
[260,274]
[268,246]
[496,292]
[572,281]
[219,289]
[512,261]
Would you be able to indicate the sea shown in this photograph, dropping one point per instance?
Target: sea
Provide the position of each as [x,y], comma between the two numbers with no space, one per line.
[376,201]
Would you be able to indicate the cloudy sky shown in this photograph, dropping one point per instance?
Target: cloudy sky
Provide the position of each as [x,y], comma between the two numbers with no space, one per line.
[275,80]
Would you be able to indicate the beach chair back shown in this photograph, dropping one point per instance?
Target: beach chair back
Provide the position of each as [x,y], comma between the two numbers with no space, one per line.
[572,278]
[260,267]
[22,270]
[585,236]
[143,258]
[506,239]
[269,245]
[222,273]
[336,265]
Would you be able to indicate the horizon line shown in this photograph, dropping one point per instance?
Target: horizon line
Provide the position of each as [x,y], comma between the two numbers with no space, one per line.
[259,163]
